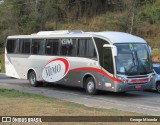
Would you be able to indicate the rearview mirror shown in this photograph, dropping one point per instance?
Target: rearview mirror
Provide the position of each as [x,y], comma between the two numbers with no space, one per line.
[150,50]
[113,47]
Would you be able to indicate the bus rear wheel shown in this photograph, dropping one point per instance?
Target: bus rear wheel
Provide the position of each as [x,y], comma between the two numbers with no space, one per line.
[158,87]
[90,86]
[32,79]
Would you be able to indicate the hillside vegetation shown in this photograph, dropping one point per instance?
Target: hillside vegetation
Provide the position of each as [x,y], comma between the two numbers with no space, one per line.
[139,17]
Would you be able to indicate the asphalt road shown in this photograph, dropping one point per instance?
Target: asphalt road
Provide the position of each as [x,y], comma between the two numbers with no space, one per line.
[146,102]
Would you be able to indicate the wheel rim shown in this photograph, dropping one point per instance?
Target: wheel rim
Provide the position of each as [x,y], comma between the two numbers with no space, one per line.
[33,79]
[90,86]
[158,87]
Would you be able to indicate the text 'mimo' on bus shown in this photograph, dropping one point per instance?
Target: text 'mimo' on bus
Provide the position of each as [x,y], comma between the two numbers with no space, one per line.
[109,61]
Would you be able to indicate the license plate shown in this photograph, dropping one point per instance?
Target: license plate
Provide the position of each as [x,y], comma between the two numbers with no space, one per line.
[138,86]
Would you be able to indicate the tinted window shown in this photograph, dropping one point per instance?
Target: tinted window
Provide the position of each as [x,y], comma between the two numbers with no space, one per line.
[52,46]
[24,46]
[68,47]
[12,46]
[99,43]
[86,48]
[133,59]
[108,60]
[38,46]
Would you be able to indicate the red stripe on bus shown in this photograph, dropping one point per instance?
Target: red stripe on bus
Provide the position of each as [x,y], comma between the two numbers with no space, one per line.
[97,70]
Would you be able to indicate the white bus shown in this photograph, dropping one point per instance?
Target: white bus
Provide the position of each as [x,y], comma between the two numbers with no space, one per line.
[110,61]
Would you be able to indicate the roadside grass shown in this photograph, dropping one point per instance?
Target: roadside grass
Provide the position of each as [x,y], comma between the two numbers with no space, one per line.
[16,103]
[2,63]
[32,104]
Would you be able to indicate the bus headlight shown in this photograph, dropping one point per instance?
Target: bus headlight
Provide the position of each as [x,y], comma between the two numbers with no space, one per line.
[124,80]
[150,78]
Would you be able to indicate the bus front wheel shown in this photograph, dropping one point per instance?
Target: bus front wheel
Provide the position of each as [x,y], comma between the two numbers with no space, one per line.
[32,79]
[90,86]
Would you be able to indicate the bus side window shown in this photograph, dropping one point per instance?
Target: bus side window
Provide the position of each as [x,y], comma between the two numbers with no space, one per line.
[90,48]
[81,47]
[86,48]
[52,46]
[68,47]
[24,46]
[12,46]
[38,46]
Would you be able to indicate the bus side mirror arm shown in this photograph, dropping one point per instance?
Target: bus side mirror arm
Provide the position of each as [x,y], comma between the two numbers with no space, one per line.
[113,47]
[150,50]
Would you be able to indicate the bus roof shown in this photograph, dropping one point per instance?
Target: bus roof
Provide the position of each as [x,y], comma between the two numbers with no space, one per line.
[120,37]
[113,37]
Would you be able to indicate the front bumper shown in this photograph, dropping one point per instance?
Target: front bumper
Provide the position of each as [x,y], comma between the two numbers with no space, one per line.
[123,87]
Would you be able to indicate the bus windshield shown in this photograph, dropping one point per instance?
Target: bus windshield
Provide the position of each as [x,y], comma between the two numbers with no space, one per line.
[133,59]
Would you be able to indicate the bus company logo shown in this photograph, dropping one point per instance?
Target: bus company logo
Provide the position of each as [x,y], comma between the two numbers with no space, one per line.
[55,70]
[67,42]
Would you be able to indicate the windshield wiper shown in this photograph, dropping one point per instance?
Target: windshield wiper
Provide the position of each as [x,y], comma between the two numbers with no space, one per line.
[143,67]
[132,69]
[134,58]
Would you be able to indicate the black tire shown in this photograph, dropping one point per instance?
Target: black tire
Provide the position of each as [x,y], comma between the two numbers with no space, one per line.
[158,87]
[90,86]
[122,93]
[32,79]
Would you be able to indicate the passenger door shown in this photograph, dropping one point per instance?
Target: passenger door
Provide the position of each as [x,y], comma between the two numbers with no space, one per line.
[108,60]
